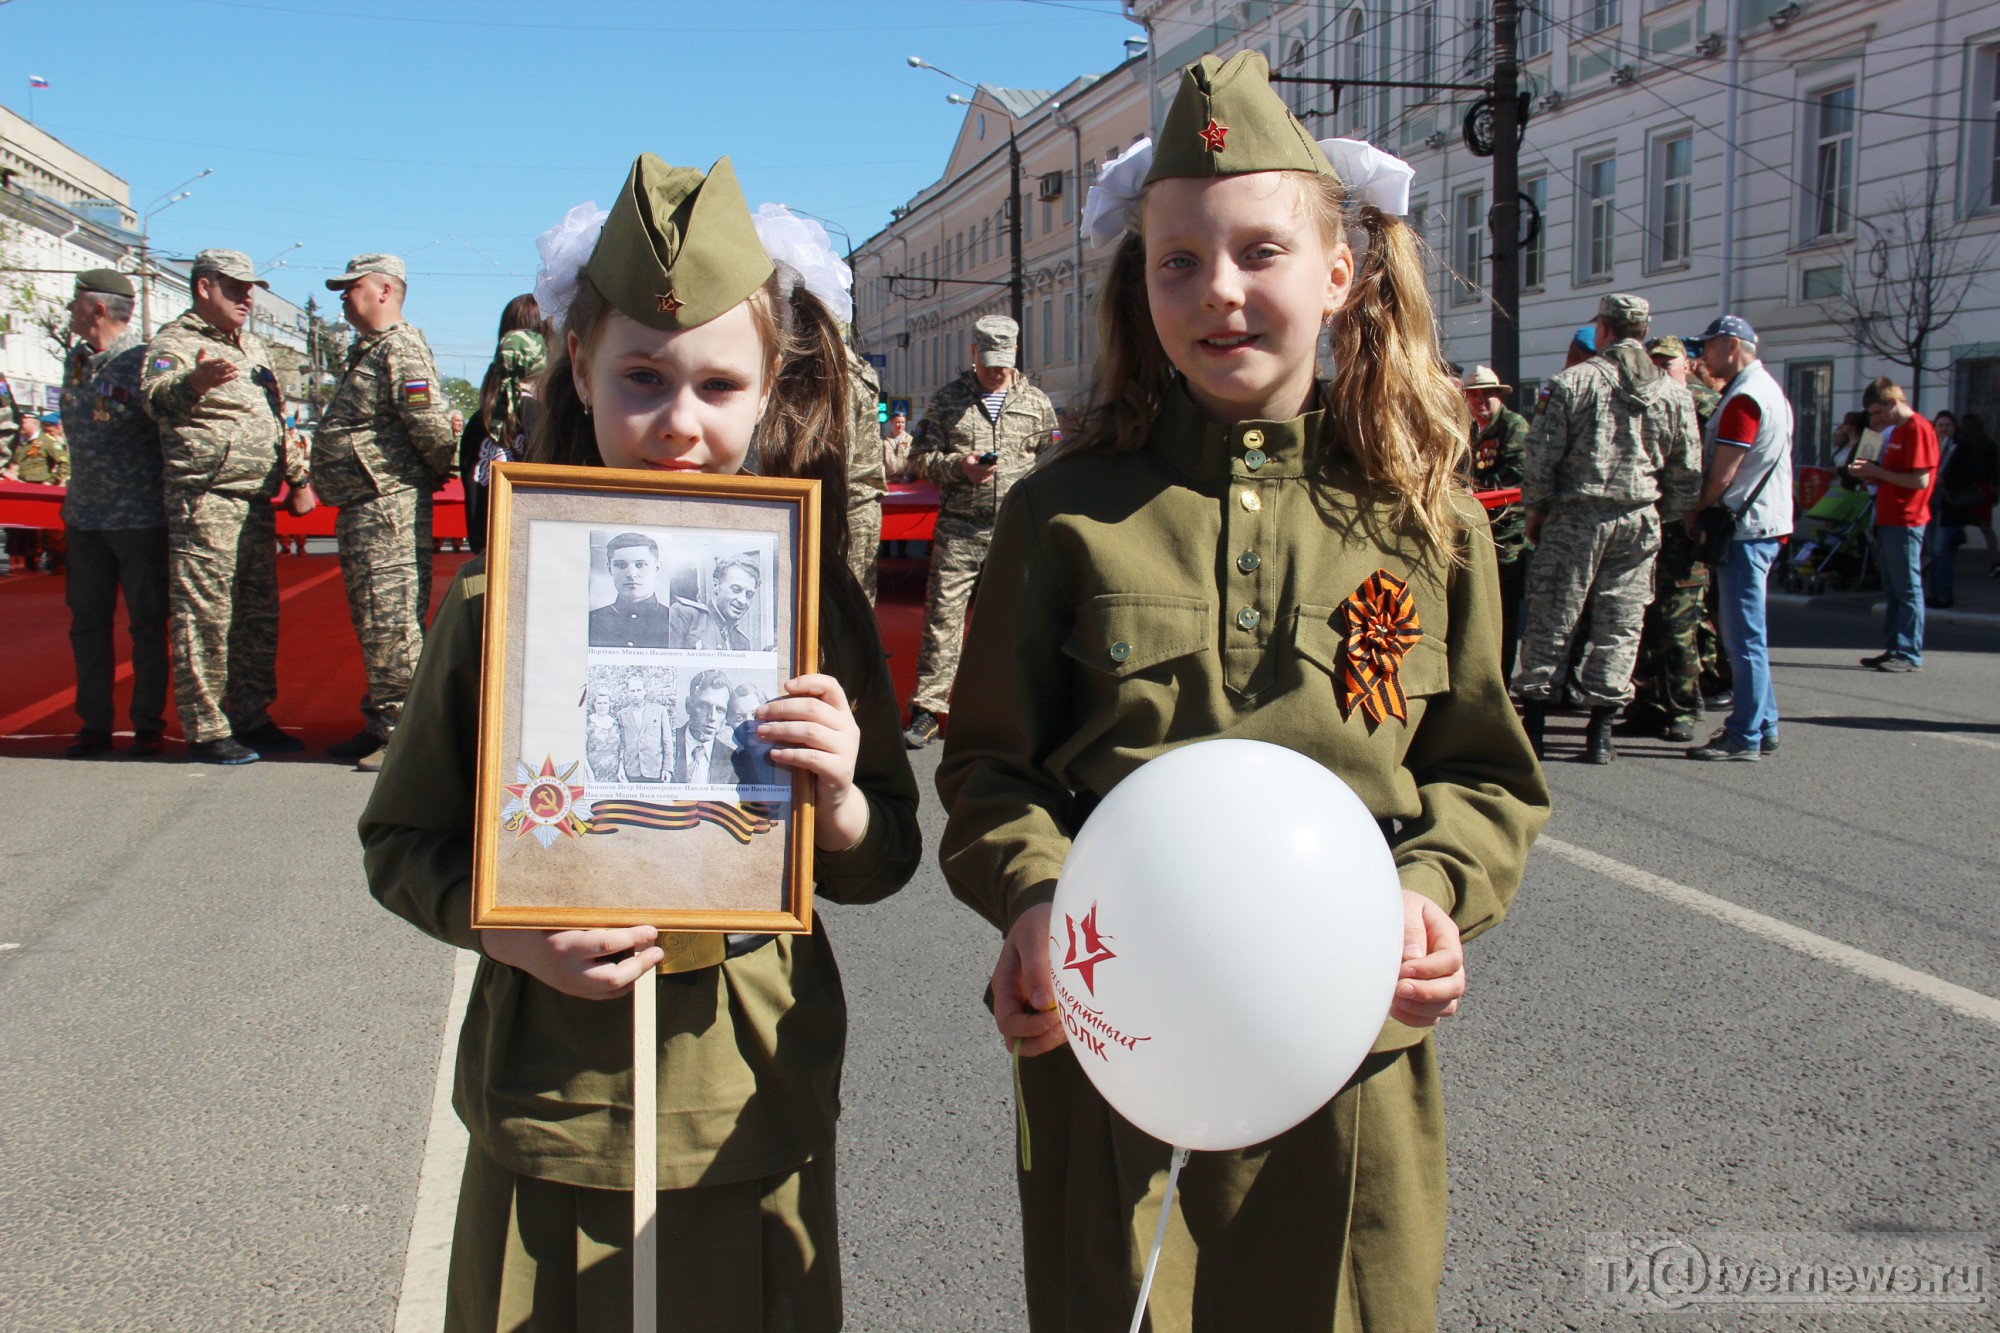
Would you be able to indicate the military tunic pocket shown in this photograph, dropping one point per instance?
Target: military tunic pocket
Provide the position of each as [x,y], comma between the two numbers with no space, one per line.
[1319,639]
[1124,633]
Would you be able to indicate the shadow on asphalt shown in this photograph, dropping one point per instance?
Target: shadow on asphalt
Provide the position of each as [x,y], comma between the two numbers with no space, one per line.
[1897,724]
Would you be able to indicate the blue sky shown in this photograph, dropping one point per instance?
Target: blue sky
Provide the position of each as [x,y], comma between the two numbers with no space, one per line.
[453,132]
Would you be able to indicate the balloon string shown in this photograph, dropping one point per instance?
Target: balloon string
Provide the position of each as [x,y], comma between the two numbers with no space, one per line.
[1021,1110]
[1159,1237]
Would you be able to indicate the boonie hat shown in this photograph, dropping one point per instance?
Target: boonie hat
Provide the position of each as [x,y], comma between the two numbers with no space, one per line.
[1485,379]
[361,266]
[1730,326]
[1623,305]
[227,264]
[106,282]
[997,337]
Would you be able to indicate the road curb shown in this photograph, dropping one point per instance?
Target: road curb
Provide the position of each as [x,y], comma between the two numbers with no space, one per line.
[1944,615]
[1857,606]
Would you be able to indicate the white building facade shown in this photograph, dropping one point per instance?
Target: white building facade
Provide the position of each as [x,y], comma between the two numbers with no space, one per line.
[1840,105]
[945,260]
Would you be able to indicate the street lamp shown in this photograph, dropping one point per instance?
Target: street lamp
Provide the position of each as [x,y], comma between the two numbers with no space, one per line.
[1016,278]
[159,205]
[278,260]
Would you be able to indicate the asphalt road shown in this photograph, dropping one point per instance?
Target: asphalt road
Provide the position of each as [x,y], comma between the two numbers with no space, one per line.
[1690,1037]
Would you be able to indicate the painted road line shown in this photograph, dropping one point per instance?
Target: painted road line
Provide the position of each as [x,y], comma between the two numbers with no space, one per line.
[1958,999]
[41,708]
[427,1261]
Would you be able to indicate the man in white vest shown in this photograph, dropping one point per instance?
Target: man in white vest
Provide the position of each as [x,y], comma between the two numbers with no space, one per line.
[1749,473]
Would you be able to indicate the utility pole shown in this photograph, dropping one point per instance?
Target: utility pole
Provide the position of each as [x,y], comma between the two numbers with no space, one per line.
[1505,218]
[1016,279]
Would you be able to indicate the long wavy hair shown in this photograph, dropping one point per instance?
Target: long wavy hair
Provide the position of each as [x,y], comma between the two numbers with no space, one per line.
[1390,401]
[803,432]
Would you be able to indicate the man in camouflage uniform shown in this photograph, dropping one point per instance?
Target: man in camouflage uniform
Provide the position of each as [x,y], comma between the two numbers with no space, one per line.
[383,445]
[1615,451]
[10,431]
[115,515]
[981,434]
[41,456]
[209,384]
[1666,678]
[867,482]
[1499,452]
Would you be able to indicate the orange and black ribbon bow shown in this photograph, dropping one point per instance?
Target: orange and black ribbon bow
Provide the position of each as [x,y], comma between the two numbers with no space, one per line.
[1380,618]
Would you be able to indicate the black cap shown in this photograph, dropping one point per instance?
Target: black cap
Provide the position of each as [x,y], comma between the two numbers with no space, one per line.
[106,281]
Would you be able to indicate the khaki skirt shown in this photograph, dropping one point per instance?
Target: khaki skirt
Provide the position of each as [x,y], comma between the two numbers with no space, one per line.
[1335,1226]
[541,1257]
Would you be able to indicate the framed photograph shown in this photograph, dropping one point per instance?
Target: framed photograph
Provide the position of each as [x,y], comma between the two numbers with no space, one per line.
[634,622]
[1869,447]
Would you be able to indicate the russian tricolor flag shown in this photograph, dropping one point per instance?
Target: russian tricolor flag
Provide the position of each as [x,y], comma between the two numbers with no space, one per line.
[37,81]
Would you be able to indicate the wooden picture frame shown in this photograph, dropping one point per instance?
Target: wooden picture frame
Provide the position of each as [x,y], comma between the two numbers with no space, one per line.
[600,694]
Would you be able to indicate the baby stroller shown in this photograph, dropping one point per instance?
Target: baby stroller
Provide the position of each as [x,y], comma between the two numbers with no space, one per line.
[1831,549]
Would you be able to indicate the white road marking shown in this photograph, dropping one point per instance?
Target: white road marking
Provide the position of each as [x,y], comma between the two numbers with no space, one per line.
[5,947]
[1964,740]
[1958,999]
[420,1307]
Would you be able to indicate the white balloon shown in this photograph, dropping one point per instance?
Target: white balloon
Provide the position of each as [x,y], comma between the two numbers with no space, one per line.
[1225,942]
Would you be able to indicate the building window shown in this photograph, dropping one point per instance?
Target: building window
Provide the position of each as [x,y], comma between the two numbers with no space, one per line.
[1672,206]
[1596,209]
[1355,113]
[1975,386]
[1048,217]
[1809,386]
[1597,15]
[1822,284]
[985,240]
[1534,255]
[1423,49]
[1069,326]
[1991,61]
[1468,245]
[1069,197]
[1532,35]
[1048,331]
[1833,163]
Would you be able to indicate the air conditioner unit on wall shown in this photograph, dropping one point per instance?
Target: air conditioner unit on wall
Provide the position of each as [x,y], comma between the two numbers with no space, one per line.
[1049,186]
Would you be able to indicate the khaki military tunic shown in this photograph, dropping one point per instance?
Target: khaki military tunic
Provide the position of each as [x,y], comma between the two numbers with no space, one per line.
[867,479]
[751,1050]
[1189,592]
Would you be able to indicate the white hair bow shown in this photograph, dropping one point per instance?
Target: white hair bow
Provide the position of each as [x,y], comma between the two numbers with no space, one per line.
[1371,176]
[565,248]
[804,253]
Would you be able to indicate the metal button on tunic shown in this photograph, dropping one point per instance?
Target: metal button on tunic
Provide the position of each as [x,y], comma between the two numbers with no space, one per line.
[1248,562]
[1120,651]
[1251,502]
[1247,618]
[1254,459]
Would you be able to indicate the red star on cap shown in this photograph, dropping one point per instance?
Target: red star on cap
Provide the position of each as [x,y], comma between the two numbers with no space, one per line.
[1211,138]
[669,303]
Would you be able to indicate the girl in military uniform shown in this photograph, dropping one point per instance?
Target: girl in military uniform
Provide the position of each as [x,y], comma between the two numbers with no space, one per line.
[680,339]
[1232,546]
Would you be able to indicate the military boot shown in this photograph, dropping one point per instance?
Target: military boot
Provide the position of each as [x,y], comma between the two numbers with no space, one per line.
[1535,717]
[1597,747]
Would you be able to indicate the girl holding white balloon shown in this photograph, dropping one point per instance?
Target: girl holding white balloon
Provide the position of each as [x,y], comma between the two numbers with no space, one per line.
[1234,547]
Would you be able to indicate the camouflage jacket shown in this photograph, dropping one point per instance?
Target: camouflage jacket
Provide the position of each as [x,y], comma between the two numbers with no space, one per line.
[43,460]
[1617,431]
[1499,454]
[114,447]
[225,441]
[387,428]
[956,425]
[1706,400]
[866,479]
[10,422]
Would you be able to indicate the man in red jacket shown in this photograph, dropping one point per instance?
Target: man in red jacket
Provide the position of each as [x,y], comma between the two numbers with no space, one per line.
[1902,476]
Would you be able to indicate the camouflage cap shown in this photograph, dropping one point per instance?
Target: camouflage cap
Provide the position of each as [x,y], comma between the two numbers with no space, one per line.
[997,337]
[361,266]
[1226,121]
[106,282]
[1668,347]
[1623,305]
[226,264]
[679,247]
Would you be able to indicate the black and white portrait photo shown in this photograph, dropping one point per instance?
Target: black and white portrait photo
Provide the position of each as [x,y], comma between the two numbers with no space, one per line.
[629,567]
[718,598]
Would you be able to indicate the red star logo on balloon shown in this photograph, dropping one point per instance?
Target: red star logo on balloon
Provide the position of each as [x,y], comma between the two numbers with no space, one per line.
[1213,135]
[1094,950]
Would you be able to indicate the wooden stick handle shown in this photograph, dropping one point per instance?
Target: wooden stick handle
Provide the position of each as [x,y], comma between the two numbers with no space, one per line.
[645,1154]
